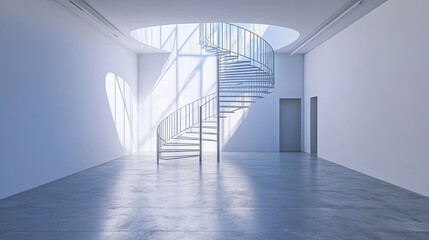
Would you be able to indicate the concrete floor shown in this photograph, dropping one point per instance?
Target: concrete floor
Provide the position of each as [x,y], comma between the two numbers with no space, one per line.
[248,196]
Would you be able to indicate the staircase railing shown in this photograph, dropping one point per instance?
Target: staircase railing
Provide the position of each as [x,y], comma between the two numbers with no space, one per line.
[243,43]
[184,118]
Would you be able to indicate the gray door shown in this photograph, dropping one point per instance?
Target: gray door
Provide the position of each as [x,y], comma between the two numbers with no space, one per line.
[313,125]
[290,125]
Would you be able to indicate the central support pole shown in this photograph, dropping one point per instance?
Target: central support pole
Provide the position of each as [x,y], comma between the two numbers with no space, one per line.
[157,149]
[218,113]
[201,133]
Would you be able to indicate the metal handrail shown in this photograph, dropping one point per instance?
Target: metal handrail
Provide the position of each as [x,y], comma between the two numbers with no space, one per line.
[253,47]
[184,118]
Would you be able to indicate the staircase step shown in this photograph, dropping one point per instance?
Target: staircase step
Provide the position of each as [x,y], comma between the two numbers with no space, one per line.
[194,138]
[246,73]
[242,84]
[230,84]
[178,150]
[261,90]
[227,63]
[246,80]
[177,157]
[181,144]
[204,133]
[243,75]
[210,121]
[242,87]
[214,48]
[235,67]
[241,91]
[232,63]
[206,127]
[230,106]
[218,52]
[237,101]
[232,66]
[242,70]
[240,96]
[265,80]
[221,116]
[229,58]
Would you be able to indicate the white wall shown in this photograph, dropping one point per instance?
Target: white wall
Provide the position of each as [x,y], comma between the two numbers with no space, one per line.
[55,117]
[259,126]
[372,85]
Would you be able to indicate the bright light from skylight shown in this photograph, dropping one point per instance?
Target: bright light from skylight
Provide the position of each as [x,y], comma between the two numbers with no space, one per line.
[165,37]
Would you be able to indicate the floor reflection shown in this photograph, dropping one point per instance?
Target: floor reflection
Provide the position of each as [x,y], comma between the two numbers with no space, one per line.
[247,196]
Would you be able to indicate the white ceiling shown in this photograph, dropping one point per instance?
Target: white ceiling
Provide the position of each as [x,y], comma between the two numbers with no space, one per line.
[302,15]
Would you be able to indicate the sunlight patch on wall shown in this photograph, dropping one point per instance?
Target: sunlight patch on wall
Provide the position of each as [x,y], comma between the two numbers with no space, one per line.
[123,107]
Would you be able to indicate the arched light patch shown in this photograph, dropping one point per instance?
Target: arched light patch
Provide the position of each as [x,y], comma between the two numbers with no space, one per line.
[123,107]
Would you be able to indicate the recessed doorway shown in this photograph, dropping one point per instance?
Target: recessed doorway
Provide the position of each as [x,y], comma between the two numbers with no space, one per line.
[313,125]
[290,125]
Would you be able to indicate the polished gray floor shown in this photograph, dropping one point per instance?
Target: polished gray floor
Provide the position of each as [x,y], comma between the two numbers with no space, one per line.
[247,196]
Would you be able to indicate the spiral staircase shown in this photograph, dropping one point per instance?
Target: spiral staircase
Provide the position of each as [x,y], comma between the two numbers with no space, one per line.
[245,73]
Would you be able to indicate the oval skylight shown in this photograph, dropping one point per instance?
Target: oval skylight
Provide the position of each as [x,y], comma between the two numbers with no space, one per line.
[166,37]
